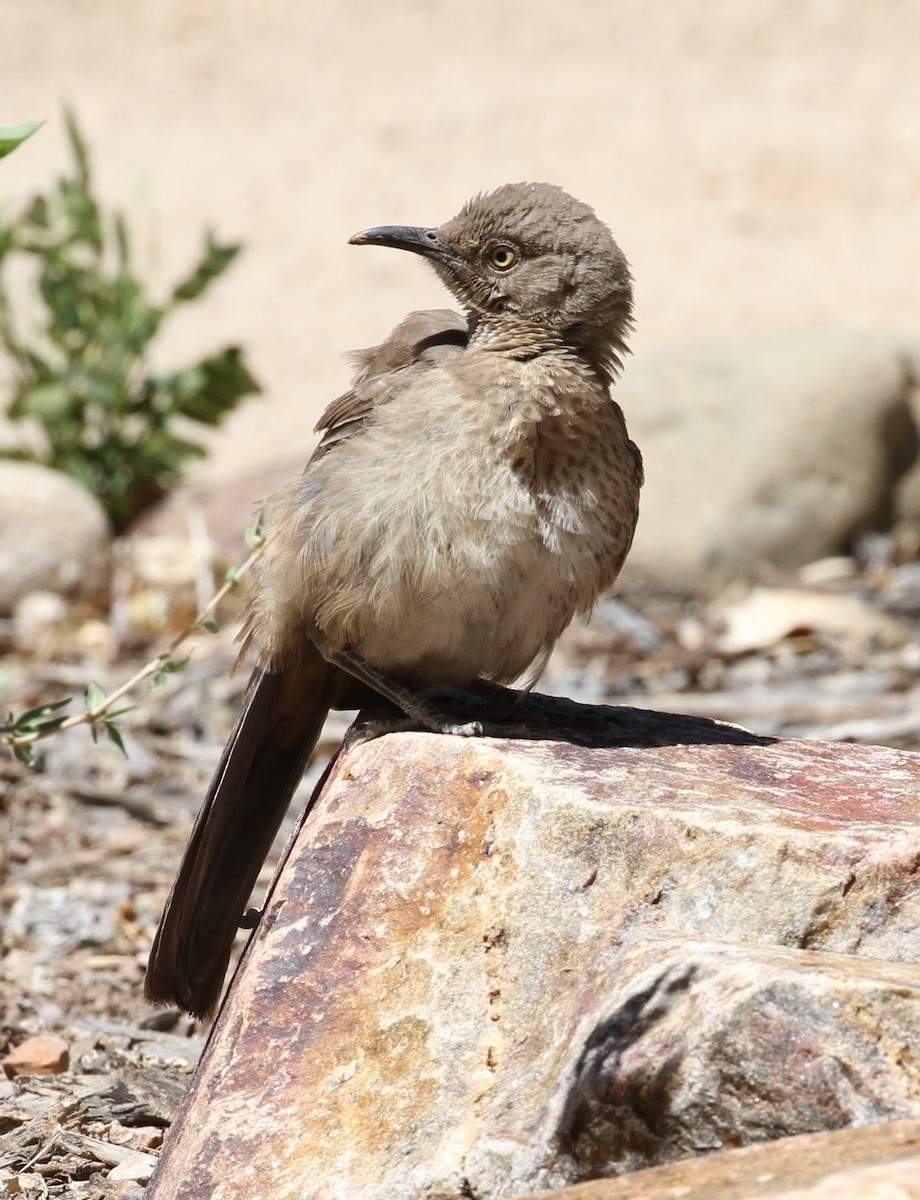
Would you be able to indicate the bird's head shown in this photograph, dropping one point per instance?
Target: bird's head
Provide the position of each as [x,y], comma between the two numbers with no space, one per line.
[529,253]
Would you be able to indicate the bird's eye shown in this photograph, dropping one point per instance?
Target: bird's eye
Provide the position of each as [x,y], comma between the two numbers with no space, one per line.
[502,257]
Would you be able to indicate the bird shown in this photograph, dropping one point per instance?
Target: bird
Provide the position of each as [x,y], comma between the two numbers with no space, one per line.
[472,492]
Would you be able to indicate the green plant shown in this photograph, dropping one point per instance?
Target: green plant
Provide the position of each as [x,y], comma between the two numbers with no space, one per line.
[84,380]
[12,135]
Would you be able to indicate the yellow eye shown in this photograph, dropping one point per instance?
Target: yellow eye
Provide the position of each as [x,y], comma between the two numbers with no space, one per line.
[502,257]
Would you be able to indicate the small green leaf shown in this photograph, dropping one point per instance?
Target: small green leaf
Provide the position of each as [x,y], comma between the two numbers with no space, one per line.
[231,574]
[178,664]
[158,682]
[14,135]
[210,625]
[77,144]
[50,726]
[213,262]
[120,712]
[214,387]
[25,755]
[122,240]
[95,696]
[255,533]
[42,710]
[37,213]
[113,733]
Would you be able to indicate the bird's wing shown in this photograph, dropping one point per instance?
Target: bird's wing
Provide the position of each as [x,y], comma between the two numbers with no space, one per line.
[421,339]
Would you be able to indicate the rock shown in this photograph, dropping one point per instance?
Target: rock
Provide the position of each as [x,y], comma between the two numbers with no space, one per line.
[765,616]
[137,1167]
[134,1137]
[702,1045]
[25,1183]
[878,1162]
[220,510]
[164,580]
[54,536]
[38,623]
[96,639]
[56,920]
[488,967]
[40,1054]
[775,448]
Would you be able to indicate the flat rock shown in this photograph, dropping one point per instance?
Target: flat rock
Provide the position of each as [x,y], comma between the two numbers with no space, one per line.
[137,1167]
[877,1162]
[39,1054]
[54,536]
[774,448]
[488,967]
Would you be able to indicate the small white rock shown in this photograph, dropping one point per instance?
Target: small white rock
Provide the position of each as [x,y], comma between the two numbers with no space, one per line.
[137,1167]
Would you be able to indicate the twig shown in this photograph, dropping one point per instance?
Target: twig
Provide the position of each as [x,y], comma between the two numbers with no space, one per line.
[21,733]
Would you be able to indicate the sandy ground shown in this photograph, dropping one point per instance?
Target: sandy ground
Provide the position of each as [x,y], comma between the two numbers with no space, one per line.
[759,162]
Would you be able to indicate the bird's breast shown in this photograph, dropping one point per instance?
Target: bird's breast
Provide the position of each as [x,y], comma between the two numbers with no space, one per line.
[458,534]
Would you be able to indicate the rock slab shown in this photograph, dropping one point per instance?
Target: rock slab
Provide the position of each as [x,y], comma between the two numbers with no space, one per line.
[876,1162]
[489,967]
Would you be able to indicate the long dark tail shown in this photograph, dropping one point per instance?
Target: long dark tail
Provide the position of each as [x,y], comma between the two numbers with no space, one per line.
[259,770]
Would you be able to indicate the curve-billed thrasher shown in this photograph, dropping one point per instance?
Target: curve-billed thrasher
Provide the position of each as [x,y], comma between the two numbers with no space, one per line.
[472,493]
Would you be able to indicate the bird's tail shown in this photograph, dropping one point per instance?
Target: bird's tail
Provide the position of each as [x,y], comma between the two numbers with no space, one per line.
[262,764]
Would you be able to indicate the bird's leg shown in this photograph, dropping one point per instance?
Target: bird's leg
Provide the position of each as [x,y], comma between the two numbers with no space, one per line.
[415,705]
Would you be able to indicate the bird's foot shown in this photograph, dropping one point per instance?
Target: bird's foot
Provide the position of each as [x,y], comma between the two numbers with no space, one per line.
[423,709]
[425,718]
[438,716]
[366,729]
[456,728]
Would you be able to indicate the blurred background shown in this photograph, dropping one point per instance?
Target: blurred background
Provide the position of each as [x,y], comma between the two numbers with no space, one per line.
[759,163]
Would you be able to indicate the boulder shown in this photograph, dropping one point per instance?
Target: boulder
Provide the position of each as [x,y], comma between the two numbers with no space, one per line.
[776,448]
[221,509]
[54,536]
[488,967]
[702,1045]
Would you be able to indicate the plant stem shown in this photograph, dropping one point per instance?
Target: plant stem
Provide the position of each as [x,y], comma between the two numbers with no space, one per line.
[94,715]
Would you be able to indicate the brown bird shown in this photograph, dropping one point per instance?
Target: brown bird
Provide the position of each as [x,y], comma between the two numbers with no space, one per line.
[473,492]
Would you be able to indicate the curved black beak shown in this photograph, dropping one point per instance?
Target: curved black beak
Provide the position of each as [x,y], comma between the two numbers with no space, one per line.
[404,237]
